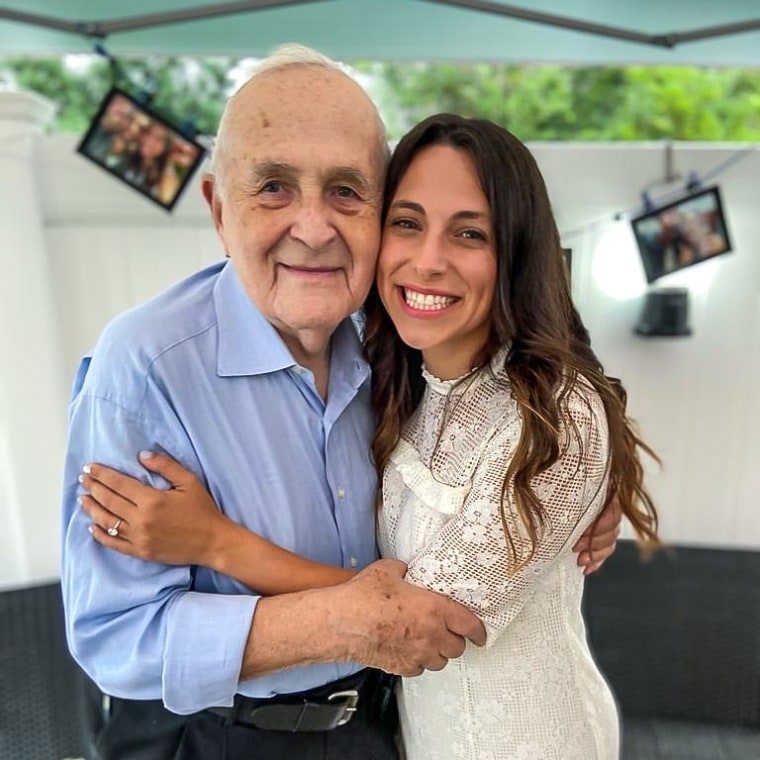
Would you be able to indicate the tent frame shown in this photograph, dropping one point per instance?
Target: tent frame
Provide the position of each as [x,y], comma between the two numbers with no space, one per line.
[101,29]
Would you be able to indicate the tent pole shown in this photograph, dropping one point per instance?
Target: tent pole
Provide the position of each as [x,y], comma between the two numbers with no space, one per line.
[104,28]
[551,19]
[669,40]
[194,14]
[751,25]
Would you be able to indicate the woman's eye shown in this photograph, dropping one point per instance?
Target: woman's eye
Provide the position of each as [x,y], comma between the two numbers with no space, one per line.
[404,224]
[472,234]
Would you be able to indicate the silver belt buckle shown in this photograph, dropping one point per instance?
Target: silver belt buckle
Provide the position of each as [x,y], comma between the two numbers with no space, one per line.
[352,700]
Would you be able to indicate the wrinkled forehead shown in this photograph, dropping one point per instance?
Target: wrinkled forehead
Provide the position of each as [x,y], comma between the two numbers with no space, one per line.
[305,114]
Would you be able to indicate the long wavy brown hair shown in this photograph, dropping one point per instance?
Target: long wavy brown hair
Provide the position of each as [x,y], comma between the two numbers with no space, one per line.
[532,314]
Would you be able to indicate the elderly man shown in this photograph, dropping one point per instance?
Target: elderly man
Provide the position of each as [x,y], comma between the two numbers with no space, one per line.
[250,373]
[115,121]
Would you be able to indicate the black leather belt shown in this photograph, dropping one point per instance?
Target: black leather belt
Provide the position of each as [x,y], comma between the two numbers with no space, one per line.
[321,709]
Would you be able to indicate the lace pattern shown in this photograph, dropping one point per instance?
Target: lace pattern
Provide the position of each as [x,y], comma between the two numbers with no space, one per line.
[533,691]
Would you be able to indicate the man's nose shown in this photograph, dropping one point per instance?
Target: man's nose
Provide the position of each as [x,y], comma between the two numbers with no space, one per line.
[313,224]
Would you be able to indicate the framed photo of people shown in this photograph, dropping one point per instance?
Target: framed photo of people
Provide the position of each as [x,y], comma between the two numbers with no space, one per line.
[141,148]
[688,231]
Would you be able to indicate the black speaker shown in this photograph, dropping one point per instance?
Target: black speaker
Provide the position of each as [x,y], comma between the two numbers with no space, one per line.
[665,312]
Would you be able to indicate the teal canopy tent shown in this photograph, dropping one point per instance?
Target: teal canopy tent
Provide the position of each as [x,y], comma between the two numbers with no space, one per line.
[689,32]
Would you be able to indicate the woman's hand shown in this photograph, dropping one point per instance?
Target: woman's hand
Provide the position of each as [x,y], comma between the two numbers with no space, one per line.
[177,527]
[598,542]
[183,526]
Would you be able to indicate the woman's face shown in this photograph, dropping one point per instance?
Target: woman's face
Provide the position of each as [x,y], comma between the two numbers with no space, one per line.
[437,266]
[153,141]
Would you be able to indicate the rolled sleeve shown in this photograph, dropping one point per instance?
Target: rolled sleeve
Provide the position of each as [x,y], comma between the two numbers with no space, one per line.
[203,653]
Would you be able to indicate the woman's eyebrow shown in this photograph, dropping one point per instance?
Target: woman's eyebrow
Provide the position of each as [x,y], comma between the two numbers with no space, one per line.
[411,205]
[464,214]
[477,215]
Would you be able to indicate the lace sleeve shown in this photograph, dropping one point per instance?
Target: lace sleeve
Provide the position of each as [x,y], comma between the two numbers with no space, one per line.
[468,559]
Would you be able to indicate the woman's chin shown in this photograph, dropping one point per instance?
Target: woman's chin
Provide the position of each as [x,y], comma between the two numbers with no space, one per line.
[414,340]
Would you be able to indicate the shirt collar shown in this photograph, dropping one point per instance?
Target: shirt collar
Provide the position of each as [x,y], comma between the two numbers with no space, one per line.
[250,345]
[347,361]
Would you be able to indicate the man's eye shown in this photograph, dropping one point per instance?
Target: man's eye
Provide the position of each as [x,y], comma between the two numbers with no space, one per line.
[344,191]
[272,187]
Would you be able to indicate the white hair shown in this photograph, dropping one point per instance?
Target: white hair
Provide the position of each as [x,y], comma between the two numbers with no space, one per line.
[292,54]
[285,56]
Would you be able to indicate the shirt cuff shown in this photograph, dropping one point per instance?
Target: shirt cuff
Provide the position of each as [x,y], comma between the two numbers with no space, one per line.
[205,641]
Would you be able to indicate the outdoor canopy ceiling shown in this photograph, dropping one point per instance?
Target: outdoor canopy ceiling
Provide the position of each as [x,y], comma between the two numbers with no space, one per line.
[694,32]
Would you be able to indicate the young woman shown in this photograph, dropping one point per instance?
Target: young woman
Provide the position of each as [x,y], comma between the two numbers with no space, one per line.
[146,166]
[499,441]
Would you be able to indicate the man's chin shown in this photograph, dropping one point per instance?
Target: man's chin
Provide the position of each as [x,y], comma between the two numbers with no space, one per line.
[316,314]
[310,321]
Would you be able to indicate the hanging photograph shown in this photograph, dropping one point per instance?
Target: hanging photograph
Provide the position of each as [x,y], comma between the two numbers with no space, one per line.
[141,148]
[682,233]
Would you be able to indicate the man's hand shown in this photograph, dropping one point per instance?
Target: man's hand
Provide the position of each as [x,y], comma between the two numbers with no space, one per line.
[598,542]
[404,629]
[376,619]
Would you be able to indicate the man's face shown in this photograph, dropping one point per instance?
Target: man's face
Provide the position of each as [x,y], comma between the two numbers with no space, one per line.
[299,211]
[118,115]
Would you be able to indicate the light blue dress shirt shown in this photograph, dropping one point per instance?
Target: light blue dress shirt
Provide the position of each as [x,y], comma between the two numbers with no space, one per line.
[200,374]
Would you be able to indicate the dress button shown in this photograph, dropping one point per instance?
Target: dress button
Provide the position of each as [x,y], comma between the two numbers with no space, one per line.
[354,562]
[341,493]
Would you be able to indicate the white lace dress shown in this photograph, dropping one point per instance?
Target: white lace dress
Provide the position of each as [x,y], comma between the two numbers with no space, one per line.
[533,692]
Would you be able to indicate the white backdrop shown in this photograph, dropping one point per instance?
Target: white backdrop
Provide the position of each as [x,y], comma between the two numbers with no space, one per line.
[78,248]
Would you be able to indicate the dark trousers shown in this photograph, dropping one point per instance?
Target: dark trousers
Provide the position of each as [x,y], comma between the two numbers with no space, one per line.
[145,730]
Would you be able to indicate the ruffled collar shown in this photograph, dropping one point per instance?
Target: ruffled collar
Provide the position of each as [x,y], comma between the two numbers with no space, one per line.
[459,385]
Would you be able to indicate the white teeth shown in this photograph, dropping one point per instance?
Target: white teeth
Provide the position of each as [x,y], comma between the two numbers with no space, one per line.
[425,301]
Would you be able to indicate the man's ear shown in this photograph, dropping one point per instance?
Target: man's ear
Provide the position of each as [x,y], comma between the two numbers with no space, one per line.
[211,196]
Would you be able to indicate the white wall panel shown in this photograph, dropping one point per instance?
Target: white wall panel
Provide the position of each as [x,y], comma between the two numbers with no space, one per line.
[696,399]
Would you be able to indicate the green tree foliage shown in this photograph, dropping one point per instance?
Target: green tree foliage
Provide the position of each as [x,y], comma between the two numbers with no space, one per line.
[182,89]
[577,103]
[76,96]
[535,102]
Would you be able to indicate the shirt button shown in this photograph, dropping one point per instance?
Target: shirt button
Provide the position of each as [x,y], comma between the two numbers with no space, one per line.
[354,562]
[341,493]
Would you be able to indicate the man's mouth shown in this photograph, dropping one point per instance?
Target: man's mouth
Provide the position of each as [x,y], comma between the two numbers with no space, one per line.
[310,271]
